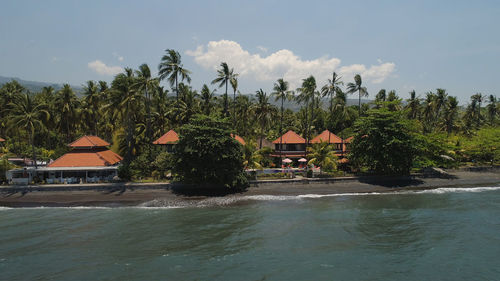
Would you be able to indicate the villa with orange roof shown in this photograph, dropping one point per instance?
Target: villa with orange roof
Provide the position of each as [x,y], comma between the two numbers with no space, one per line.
[292,146]
[88,161]
[329,137]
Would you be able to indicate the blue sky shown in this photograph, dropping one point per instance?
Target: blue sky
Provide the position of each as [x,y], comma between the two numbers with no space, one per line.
[401,45]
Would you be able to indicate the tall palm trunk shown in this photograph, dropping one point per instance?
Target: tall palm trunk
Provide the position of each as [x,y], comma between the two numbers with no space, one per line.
[32,138]
[225,102]
[281,130]
[148,113]
[359,102]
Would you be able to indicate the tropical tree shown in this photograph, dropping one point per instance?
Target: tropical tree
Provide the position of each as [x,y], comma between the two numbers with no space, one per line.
[207,99]
[92,104]
[29,116]
[331,88]
[380,98]
[281,92]
[450,114]
[413,106]
[144,82]
[478,99]
[306,96]
[225,75]
[264,111]
[234,85]
[171,68]
[357,87]
[323,155]
[492,109]
[251,157]
[67,102]
[440,101]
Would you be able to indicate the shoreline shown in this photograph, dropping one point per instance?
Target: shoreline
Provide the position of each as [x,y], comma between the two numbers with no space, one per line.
[165,194]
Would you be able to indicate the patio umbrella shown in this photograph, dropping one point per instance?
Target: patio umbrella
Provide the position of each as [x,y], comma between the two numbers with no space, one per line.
[302,160]
[287,160]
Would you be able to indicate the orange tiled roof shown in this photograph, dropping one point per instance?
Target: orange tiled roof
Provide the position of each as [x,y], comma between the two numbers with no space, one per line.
[349,139]
[238,138]
[323,137]
[87,158]
[1,140]
[169,137]
[89,142]
[290,137]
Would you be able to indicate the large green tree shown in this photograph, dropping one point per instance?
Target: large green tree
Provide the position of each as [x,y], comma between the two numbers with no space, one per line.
[207,155]
[384,142]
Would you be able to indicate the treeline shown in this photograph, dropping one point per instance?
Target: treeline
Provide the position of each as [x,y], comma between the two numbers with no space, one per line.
[135,109]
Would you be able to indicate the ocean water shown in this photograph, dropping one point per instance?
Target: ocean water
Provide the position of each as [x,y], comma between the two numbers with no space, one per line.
[443,234]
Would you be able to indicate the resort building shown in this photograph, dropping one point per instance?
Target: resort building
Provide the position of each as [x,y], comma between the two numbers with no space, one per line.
[89,161]
[292,146]
[171,138]
[329,137]
[168,140]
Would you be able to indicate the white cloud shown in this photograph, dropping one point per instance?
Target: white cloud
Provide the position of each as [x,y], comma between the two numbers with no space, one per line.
[101,68]
[283,63]
[262,48]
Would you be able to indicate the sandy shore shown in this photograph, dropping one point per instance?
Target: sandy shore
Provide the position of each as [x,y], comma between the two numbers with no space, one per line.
[164,194]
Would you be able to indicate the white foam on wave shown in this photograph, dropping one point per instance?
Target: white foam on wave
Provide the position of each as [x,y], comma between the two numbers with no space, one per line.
[443,190]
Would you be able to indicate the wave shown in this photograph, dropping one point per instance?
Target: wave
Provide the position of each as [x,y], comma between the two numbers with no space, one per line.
[233,200]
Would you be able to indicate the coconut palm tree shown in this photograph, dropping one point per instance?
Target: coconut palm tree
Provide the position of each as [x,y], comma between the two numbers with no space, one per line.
[393,101]
[330,88]
[306,96]
[492,108]
[225,75]
[251,157]
[450,114]
[357,87]
[380,98]
[25,114]
[171,68]
[144,82]
[478,98]
[413,105]
[92,104]
[207,98]
[264,112]
[234,85]
[125,102]
[440,100]
[67,103]
[323,155]
[281,92]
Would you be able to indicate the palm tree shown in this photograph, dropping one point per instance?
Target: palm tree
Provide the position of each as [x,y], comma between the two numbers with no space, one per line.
[125,103]
[450,114]
[440,100]
[170,68]
[207,98]
[380,97]
[282,93]
[357,87]
[492,108]
[413,105]
[323,155]
[234,85]
[29,116]
[330,88]
[478,98]
[264,112]
[92,102]
[393,101]
[67,103]
[143,82]
[307,93]
[225,76]
[251,157]
[429,111]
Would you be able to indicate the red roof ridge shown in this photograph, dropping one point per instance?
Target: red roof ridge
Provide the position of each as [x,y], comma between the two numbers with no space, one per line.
[89,141]
[290,137]
[325,135]
[238,138]
[169,137]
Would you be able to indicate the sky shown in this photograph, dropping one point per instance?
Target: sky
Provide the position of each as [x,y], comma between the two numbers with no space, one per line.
[394,45]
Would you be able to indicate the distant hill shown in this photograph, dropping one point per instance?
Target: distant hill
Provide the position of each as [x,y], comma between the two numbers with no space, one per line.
[35,86]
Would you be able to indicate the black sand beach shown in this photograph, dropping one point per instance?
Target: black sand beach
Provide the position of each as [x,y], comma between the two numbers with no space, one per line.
[131,194]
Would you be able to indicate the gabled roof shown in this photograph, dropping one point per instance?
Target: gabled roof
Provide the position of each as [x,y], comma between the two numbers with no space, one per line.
[290,137]
[87,158]
[89,142]
[238,138]
[169,137]
[323,137]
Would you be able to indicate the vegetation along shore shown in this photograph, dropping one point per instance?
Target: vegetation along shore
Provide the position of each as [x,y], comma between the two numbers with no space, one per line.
[135,129]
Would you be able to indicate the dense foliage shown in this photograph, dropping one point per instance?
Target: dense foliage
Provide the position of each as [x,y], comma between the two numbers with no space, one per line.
[207,154]
[134,109]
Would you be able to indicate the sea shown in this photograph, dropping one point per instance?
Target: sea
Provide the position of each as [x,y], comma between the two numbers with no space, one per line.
[440,234]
